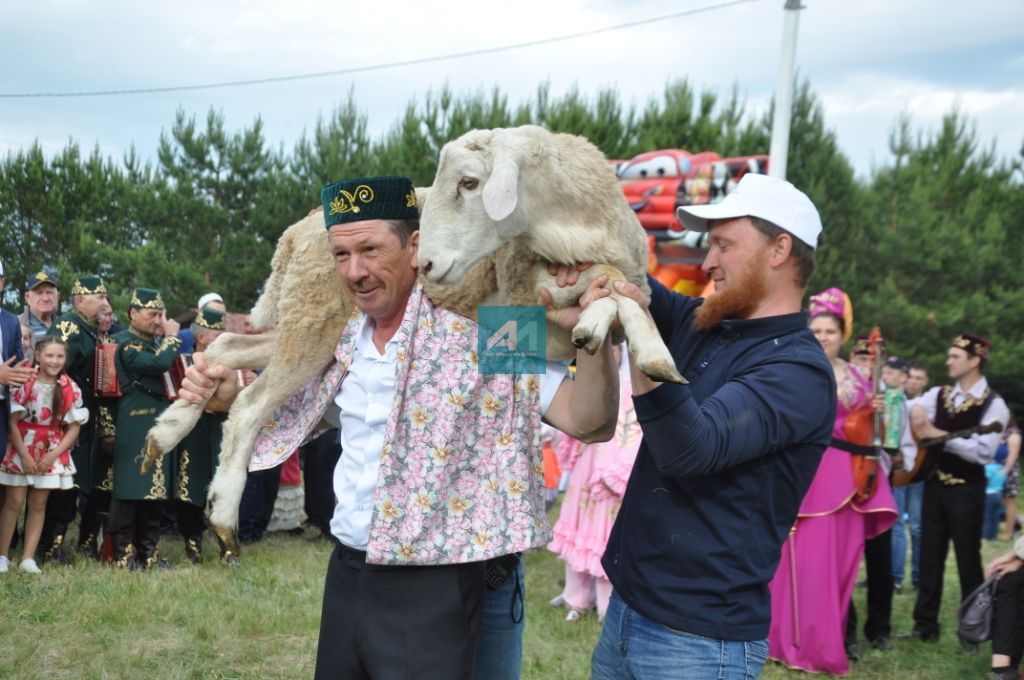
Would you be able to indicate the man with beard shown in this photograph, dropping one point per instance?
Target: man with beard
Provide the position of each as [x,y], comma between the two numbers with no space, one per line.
[726,459]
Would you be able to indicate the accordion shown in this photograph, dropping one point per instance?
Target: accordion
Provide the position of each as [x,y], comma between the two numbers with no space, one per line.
[105,383]
[173,377]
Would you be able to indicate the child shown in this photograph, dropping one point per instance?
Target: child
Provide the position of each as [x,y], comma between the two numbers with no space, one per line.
[46,415]
[995,477]
[597,480]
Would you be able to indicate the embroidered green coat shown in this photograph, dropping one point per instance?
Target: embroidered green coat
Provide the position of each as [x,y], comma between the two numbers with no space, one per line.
[80,337]
[141,362]
[197,458]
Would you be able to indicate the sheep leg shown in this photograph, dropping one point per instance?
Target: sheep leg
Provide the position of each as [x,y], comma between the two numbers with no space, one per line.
[174,424]
[225,492]
[592,328]
[253,408]
[647,348]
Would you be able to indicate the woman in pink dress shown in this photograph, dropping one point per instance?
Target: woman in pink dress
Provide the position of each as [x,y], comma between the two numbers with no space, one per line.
[597,481]
[812,588]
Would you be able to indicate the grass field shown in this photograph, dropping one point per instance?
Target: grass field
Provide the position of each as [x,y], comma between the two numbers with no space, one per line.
[261,621]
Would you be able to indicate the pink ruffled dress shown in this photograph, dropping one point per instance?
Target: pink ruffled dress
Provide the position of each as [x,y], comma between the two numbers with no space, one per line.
[812,587]
[597,481]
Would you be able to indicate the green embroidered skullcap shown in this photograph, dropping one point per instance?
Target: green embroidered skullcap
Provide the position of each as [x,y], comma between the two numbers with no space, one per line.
[88,284]
[369,198]
[146,298]
[210,319]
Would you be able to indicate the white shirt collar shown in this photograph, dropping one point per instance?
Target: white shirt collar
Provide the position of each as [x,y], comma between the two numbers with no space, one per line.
[976,390]
[368,350]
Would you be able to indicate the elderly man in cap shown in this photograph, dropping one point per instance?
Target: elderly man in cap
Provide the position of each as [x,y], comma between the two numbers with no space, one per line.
[42,301]
[440,467]
[198,453]
[212,300]
[726,459]
[78,330]
[953,508]
[147,348]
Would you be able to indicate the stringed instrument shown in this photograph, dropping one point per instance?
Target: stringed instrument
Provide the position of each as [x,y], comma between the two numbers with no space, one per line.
[923,466]
[865,427]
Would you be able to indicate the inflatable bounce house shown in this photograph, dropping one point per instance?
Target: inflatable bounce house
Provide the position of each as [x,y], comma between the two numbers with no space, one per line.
[656,183]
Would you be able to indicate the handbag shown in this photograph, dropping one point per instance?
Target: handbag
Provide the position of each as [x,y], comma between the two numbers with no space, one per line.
[974,616]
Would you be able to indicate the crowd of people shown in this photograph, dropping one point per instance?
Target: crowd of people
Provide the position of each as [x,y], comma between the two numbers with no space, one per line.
[712,525]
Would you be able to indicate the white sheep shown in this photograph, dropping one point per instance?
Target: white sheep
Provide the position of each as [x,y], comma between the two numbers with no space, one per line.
[529,197]
[305,297]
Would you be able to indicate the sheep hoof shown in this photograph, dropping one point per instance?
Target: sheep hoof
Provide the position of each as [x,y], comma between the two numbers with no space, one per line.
[151,452]
[228,541]
[662,371]
[589,342]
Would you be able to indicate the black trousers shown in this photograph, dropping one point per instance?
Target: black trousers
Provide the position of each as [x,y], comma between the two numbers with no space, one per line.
[1008,617]
[191,519]
[139,520]
[257,504]
[400,622]
[320,457]
[948,513]
[878,564]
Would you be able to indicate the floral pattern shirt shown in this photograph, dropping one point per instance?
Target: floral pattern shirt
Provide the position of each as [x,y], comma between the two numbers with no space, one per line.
[461,474]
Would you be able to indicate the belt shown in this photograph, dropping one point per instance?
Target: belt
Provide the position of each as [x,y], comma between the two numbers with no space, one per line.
[346,553]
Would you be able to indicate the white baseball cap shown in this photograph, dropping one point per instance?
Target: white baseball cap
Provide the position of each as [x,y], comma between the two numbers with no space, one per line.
[762,196]
[208,298]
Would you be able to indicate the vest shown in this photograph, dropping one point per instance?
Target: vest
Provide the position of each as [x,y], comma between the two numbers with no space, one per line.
[951,469]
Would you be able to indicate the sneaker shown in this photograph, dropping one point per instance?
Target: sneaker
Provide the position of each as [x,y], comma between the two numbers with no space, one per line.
[575,614]
[5,563]
[29,566]
[897,588]
[557,601]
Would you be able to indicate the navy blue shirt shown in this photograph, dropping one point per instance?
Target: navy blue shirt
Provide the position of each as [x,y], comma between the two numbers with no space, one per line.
[723,466]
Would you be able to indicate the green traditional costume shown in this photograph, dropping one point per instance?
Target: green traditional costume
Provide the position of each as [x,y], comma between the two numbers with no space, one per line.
[197,458]
[141,361]
[79,334]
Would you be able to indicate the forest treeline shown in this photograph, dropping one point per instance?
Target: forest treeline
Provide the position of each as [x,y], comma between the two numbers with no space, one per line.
[927,246]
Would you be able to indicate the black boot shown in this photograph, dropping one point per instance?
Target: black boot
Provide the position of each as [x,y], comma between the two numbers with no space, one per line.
[53,552]
[88,532]
[194,548]
[123,556]
[148,556]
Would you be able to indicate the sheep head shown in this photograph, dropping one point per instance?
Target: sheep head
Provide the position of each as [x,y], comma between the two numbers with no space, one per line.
[473,203]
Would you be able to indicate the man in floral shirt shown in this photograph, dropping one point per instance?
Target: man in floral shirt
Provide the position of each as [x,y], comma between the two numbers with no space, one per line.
[440,467]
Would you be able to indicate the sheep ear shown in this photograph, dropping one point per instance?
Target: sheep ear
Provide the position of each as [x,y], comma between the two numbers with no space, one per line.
[501,192]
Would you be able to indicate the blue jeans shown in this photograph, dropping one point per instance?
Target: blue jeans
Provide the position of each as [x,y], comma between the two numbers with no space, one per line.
[908,505]
[499,654]
[993,515]
[633,646]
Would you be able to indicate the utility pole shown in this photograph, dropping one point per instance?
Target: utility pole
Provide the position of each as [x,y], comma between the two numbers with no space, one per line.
[779,151]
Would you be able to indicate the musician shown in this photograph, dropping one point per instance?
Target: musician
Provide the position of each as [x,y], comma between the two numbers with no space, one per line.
[812,588]
[954,493]
[147,348]
[78,330]
[198,453]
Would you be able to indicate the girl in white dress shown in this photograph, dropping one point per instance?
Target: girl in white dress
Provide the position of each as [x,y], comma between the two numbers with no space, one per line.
[46,415]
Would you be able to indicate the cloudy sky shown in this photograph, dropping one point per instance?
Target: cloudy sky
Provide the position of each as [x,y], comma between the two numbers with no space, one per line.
[869,61]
